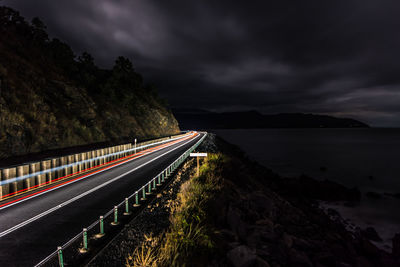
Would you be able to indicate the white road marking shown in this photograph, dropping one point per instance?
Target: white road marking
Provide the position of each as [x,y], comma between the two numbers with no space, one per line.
[12,229]
[61,186]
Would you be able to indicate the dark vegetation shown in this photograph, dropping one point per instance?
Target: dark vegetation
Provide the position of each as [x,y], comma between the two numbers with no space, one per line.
[51,98]
[200,119]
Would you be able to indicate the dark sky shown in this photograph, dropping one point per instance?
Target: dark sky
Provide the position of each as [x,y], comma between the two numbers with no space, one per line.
[339,57]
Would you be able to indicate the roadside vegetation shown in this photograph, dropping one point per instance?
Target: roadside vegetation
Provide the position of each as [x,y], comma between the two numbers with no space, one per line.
[51,98]
[190,238]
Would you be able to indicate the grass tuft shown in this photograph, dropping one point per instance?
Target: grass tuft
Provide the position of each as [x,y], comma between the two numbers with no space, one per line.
[188,239]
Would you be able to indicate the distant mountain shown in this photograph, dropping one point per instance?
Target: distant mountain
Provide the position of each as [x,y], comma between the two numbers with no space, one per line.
[201,119]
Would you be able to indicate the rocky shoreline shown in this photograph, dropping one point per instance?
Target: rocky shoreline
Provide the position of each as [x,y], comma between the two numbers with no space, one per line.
[261,219]
[273,221]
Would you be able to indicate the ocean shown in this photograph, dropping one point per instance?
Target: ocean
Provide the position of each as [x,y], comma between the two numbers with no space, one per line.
[366,158]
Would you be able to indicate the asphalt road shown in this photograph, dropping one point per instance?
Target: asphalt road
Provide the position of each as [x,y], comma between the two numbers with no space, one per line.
[29,244]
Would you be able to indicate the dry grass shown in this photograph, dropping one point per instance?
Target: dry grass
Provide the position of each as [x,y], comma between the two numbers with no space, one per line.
[188,237]
[146,255]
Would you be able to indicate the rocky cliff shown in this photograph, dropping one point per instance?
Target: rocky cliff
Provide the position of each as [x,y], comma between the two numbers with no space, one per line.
[50,98]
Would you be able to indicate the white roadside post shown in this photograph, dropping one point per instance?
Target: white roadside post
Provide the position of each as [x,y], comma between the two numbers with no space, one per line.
[198,155]
[135,145]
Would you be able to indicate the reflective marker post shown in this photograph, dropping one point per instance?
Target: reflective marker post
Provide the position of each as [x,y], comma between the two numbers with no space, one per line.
[101,225]
[115,222]
[127,207]
[136,200]
[60,257]
[144,193]
[85,242]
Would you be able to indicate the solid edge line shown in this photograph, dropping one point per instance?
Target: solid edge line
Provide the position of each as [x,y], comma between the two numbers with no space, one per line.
[22,224]
[83,176]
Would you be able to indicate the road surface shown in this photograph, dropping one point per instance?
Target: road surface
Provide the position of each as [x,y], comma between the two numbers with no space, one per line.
[32,229]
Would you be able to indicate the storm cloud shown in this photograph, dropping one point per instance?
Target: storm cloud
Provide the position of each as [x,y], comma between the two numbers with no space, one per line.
[337,57]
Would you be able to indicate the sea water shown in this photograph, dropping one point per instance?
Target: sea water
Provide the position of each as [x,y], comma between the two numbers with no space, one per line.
[367,158]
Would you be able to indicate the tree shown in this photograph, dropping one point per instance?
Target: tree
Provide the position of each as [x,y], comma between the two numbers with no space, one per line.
[123,66]
[88,72]
[124,81]
[63,56]
[39,31]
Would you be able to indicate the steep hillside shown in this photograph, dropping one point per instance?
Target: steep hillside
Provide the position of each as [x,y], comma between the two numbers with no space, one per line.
[49,98]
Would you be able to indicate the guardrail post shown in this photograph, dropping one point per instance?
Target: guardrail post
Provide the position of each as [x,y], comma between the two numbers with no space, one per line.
[101,224]
[85,241]
[127,207]
[149,189]
[60,257]
[144,193]
[154,184]
[115,222]
[162,177]
[136,200]
[159,180]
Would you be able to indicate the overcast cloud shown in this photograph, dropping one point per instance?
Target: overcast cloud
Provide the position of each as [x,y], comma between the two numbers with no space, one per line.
[337,57]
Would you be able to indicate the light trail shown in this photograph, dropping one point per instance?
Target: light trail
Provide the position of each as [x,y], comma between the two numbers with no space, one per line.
[19,200]
[26,222]
[20,178]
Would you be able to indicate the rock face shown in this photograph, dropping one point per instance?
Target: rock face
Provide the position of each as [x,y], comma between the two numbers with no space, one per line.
[242,256]
[51,99]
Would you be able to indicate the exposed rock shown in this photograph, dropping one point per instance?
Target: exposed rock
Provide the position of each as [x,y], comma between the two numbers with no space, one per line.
[287,239]
[236,223]
[228,235]
[261,263]
[299,258]
[242,256]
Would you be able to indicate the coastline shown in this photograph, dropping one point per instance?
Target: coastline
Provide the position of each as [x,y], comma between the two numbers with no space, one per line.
[346,156]
[254,217]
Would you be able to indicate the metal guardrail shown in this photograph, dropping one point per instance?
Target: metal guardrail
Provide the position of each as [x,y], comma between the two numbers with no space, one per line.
[111,155]
[98,228]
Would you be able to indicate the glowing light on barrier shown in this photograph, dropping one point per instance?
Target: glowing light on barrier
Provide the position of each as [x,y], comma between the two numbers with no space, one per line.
[20,178]
[175,164]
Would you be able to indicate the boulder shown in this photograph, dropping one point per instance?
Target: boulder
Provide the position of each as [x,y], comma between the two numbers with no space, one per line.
[259,262]
[299,258]
[242,256]
[236,224]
